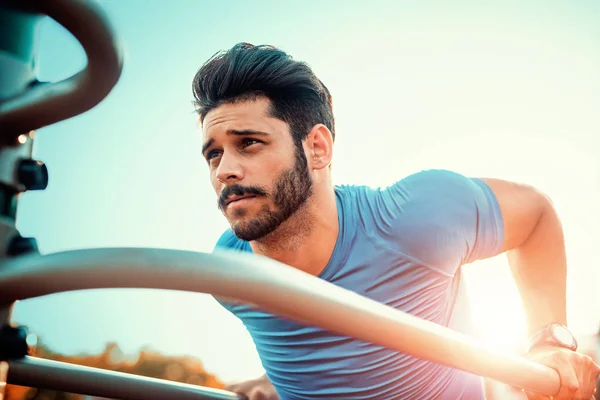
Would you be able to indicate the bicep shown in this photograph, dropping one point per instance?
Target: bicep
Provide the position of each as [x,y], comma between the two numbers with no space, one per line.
[521,207]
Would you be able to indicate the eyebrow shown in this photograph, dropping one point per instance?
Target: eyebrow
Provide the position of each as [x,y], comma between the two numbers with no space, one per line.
[235,132]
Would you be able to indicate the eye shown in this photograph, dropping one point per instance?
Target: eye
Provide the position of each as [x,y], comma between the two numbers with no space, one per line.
[249,142]
[212,154]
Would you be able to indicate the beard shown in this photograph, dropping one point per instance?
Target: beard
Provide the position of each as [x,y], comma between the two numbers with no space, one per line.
[291,190]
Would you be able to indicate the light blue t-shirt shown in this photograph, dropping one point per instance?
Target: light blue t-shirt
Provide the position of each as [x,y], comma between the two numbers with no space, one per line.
[402,246]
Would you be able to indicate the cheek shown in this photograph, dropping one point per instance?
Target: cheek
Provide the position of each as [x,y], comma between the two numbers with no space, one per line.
[215,183]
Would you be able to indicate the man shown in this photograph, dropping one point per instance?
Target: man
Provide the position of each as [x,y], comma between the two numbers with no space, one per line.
[268,132]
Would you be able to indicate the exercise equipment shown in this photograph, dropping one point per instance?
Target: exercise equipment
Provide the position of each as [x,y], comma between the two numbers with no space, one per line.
[26,105]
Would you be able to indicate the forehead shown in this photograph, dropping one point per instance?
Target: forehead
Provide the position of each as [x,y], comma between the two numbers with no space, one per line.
[244,115]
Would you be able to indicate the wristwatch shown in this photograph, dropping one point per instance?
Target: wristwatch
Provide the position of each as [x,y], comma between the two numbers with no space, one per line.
[556,335]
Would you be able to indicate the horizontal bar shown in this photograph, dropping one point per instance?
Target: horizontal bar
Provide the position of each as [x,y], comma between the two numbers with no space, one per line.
[273,287]
[61,376]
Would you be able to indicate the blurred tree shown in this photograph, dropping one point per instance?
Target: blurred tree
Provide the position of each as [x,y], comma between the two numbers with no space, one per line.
[146,363]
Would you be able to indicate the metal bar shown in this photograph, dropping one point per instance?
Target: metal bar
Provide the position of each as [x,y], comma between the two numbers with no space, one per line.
[72,378]
[48,103]
[3,378]
[273,287]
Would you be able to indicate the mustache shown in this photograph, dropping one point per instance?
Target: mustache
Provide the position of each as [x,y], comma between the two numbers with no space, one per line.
[239,190]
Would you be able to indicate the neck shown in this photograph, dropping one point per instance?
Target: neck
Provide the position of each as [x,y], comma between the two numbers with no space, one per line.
[305,240]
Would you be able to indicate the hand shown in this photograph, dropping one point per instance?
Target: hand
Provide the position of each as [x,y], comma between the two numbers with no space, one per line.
[255,389]
[578,373]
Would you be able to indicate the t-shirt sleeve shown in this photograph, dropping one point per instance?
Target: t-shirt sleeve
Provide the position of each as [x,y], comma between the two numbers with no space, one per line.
[439,218]
[228,241]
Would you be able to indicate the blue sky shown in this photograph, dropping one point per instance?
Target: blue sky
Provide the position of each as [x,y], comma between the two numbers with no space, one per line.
[502,89]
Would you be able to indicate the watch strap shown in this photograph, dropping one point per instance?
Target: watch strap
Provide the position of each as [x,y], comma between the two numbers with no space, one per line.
[545,337]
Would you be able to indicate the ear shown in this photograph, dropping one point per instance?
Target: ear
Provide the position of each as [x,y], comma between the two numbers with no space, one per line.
[320,147]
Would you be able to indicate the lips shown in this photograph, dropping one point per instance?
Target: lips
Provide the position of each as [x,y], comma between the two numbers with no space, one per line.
[236,198]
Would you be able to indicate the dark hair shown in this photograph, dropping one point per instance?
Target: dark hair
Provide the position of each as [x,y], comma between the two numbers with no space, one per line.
[248,72]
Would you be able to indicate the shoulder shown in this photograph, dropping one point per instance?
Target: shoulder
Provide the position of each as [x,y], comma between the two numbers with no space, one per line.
[435,216]
[442,191]
[422,194]
[442,198]
[417,186]
[433,182]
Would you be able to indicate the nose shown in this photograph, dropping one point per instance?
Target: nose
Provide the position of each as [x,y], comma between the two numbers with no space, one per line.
[229,170]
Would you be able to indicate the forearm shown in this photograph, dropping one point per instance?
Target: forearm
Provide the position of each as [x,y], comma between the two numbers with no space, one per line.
[539,268]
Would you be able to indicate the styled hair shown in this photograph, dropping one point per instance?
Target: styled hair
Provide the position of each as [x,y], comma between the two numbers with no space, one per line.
[248,72]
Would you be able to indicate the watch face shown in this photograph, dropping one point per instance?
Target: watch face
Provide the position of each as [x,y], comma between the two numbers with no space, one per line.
[563,335]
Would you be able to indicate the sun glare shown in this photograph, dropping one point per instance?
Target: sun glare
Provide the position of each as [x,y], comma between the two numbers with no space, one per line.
[498,315]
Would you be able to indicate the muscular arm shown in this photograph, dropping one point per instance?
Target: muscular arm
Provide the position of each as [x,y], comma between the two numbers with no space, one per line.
[534,242]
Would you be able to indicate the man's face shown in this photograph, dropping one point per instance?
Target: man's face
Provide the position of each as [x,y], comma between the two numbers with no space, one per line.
[261,178]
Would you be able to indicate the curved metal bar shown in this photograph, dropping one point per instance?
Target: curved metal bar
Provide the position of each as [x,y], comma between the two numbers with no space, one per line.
[48,103]
[80,379]
[274,287]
